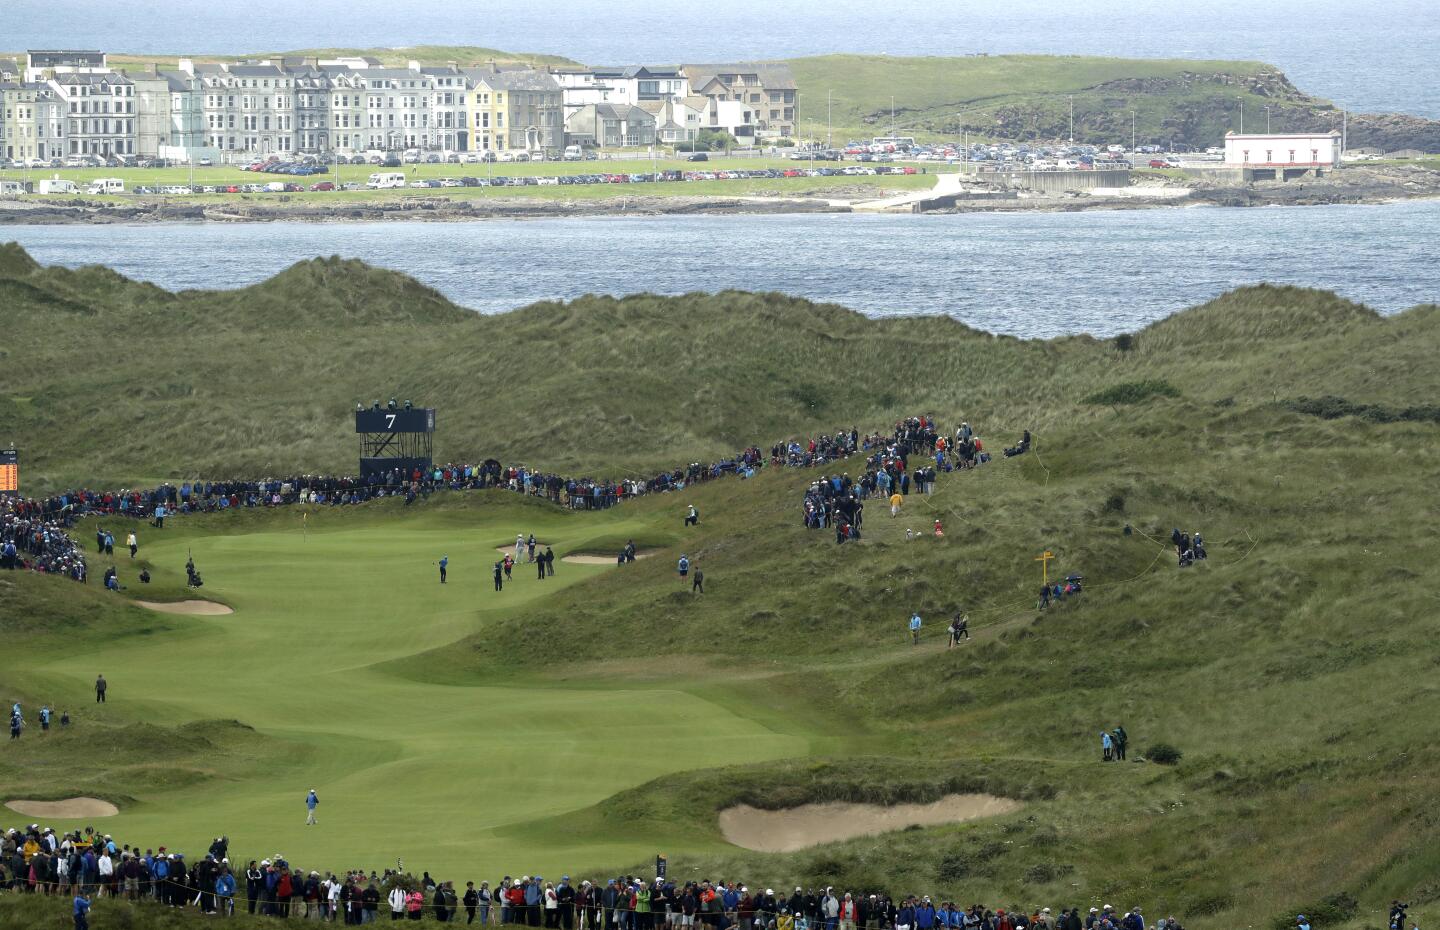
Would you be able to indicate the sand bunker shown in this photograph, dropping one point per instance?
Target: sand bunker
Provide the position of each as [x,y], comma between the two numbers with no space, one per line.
[193,608]
[813,824]
[69,809]
[599,559]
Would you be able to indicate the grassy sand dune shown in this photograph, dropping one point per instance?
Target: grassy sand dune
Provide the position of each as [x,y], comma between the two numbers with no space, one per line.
[588,721]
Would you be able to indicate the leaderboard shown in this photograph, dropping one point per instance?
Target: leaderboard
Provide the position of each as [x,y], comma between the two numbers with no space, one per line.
[9,471]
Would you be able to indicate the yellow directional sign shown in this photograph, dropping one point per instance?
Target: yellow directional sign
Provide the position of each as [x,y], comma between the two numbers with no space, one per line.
[1044,560]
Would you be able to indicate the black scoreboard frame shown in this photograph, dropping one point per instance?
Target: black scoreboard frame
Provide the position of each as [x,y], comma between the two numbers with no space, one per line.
[392,437]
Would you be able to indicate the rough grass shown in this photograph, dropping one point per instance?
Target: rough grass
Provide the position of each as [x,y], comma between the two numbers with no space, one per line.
[1027,97]
[270,386]
[1290,670]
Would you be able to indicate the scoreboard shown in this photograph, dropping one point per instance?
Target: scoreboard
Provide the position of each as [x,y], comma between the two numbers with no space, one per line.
[394,420]
[9,471]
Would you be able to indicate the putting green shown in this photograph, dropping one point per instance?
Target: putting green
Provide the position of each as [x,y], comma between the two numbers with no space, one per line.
[430,773]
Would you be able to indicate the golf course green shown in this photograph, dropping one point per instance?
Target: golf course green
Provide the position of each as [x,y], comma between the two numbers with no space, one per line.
[321,607]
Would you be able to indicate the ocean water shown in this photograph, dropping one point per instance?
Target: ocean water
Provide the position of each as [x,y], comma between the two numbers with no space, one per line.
[1374,55]
[1033,275]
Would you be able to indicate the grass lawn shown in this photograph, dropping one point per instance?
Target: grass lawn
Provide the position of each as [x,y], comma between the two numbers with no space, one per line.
[389,755]
[360,173]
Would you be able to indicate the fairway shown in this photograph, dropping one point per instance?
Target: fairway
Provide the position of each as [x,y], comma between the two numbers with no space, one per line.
[435,769]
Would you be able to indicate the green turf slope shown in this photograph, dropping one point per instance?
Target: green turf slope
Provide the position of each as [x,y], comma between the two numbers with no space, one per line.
[317,610]
[590,722]
[1025,98]
[619,386]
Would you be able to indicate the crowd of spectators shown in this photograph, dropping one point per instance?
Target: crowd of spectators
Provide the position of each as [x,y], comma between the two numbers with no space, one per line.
[910,457]
[31,538]
[35,528]
[39,861]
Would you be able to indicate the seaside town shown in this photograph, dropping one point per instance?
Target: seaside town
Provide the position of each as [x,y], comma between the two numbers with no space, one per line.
[74,107]
[74,123]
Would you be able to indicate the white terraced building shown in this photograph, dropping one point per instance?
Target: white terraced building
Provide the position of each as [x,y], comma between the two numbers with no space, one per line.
[287,106]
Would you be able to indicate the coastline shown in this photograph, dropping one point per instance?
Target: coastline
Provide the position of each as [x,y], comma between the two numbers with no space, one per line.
[1372,186]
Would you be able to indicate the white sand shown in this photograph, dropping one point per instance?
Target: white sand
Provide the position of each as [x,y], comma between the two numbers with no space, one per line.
[193,608]
[69,809]
[813,824]
[600,559]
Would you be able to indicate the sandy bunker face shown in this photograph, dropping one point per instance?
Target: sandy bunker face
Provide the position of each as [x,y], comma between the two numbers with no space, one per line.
[813,824]
[69,809]
[600,559]
[193,608]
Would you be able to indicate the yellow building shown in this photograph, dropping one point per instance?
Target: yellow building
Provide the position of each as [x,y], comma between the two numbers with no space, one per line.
[519,110]
[18,138]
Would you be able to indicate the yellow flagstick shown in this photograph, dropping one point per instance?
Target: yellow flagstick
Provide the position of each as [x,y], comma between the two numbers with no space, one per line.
[305,525]
[1044,560]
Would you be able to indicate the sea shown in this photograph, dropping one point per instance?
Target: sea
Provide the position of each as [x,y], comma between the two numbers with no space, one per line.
[1024,274]
[1374,55]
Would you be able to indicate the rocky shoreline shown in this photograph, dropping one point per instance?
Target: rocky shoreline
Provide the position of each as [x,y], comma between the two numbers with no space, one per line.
[1353,185]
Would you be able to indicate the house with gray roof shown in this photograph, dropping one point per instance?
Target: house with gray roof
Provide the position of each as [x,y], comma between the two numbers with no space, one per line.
[765,87]
[611,125]
[515,108]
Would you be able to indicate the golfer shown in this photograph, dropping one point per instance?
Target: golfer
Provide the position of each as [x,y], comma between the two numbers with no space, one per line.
[311,802]
[684,566]
[100,686]
[915,629]
[444,561]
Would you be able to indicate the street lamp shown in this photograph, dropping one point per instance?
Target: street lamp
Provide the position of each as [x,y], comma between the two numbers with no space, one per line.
[964,145]
[829,130]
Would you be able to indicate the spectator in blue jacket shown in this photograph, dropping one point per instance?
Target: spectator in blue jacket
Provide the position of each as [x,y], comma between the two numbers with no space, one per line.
[225,891]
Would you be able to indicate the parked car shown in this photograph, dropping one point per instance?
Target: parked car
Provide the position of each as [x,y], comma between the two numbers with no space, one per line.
[698,156]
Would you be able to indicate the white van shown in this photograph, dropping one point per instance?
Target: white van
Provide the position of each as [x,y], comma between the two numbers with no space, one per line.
[106,186]
[574,153]
[59,186]
[386,179]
